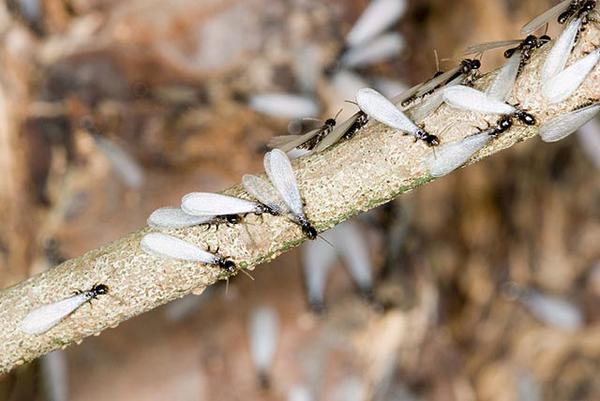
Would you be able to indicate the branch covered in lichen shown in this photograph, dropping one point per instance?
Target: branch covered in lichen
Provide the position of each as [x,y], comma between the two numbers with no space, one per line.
[373,168]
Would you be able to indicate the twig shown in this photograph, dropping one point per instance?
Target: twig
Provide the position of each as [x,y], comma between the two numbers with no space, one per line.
[373,168]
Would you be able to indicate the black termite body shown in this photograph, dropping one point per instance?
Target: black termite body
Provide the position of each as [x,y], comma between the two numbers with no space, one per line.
[502,125]
[579,8]
[527,46]
[94,292]
[360,122]
[308,229]
[227,265]
[325,130]
[429,139]
[468,68]
[525,118]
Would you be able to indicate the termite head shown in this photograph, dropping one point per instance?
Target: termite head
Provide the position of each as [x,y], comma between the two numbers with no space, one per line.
[330,122]
[525,117]
[509,52]
[530,41]
[588,6]
[542,40]
[309,230]
[504,124]
[226,264]
[267,209]
[562,18]
[470,64]
[233,218]
[99,289]
[431,140]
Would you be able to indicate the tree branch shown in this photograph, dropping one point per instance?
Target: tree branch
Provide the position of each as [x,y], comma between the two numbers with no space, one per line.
[357,175]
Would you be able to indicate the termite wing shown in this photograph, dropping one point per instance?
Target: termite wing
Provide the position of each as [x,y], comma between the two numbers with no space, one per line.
[174,217]
[167,246]
[589,141]
[263,332]
[378,107]
[43,318]
[562,12]
[317,259]
[123,165]
[565,83]
[562,126]
[210,204]
[557,57]
[505,79]
[466,98]
[284,105]
[379,49]
[376,18]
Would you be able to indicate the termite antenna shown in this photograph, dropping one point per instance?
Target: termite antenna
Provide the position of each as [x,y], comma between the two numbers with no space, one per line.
[326,241]
[351,102]
[247,274]
[437,59]
[338,113]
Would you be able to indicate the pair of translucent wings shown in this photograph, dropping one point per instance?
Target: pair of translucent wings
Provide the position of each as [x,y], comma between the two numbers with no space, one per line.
[378,107]
[281,194]
[47,316]
[167,246]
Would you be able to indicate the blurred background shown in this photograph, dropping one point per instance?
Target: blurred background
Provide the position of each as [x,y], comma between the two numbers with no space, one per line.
[483,285]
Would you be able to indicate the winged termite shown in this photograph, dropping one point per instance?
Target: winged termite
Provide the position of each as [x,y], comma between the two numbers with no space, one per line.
[281,174]
[525,47]
[466,98]
[562,126]
[210,204]
[562,12]
[308,140]
[167,246]
[43,318]
[282,195]
[378,107]
[345,130]
[467,70]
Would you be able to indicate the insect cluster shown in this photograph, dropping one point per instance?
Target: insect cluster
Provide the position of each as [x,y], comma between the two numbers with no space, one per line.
[280,195]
